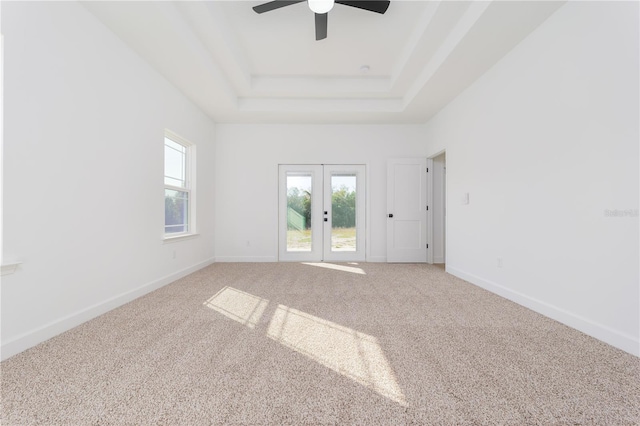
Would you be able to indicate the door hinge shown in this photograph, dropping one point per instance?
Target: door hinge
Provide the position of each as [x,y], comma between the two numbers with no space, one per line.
[427,245]
[427,208]
[427,170]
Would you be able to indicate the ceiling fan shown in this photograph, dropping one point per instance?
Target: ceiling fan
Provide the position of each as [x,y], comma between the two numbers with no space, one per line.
[321,9]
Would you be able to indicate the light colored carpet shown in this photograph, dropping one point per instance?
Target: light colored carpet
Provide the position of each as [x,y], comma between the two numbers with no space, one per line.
[300,344]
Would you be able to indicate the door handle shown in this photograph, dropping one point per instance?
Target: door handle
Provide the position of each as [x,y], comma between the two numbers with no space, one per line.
[326,219]
[390,214]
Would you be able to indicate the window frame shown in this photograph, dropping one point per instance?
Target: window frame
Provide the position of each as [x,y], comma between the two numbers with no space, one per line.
[189,186]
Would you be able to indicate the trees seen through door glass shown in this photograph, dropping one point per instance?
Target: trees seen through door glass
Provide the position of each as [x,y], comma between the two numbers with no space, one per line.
[299,211]
[343,212]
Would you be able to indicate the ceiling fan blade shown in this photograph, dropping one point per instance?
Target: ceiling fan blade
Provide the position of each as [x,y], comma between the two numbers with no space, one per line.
[277,4]
[378,6]
[321,25]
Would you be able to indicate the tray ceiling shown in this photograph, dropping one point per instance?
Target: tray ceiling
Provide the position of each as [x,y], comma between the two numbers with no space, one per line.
[400,67]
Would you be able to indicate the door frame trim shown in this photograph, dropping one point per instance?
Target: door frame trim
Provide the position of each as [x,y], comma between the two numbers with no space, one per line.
[430,211]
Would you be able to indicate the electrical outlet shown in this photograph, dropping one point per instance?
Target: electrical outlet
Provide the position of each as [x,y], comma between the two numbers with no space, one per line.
[174,254]
[499,262]
[248,243]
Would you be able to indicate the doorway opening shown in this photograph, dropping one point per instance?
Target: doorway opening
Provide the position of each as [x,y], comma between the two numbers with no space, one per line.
[439,209]
[322,213]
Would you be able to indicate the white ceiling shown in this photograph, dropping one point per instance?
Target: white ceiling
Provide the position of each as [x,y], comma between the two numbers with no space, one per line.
[239,66]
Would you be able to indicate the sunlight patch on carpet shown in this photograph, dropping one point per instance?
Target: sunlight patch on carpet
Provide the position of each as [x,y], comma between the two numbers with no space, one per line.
[242,307]
[355,355]
[338,267]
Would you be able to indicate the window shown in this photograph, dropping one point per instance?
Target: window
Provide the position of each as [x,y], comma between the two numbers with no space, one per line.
[179,159]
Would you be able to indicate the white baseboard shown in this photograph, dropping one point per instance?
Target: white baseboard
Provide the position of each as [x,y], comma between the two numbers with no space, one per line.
[248,259]
[262,259]
[608,335]
[52,329]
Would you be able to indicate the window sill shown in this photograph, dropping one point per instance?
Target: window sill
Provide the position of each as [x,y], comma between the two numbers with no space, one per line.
[10,268]
[181,237]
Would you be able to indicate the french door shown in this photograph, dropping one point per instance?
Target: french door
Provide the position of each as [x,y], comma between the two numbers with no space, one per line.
[322,213]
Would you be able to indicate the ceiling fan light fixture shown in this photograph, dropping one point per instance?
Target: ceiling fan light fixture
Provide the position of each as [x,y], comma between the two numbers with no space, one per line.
[320,6]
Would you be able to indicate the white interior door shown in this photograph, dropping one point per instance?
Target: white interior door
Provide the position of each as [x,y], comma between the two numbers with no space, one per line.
[322,213]
[407,210]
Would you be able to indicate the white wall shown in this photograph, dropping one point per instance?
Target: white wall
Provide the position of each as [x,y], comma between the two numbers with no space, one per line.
[247,159]
[83,173]
[545,143]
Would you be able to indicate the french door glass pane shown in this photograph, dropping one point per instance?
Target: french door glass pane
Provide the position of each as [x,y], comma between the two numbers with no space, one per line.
[299,211]
[175,211]
[343,212]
